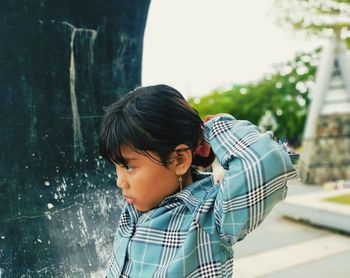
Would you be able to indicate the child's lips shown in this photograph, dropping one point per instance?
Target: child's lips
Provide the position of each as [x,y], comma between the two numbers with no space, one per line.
[129,200]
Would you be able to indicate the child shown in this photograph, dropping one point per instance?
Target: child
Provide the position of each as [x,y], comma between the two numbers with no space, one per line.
[177,222]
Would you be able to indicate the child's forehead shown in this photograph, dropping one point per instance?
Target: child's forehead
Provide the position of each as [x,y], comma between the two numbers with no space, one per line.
[130,153]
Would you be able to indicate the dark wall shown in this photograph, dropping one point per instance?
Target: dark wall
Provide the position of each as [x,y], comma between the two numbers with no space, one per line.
[61,63]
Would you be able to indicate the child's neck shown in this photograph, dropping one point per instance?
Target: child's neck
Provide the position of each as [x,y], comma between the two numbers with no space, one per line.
[187,179]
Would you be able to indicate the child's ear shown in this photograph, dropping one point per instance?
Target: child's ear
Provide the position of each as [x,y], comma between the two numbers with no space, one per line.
[183,158]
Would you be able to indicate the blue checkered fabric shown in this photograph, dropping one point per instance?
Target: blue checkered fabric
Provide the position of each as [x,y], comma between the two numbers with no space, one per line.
[191,233]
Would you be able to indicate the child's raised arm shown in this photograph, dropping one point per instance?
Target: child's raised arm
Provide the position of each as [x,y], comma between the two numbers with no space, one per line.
[257,171]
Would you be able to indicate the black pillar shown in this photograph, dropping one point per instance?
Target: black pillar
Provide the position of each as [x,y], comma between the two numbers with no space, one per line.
[61,63]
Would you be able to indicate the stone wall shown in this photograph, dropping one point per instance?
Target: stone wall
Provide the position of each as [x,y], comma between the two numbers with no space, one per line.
[327,156]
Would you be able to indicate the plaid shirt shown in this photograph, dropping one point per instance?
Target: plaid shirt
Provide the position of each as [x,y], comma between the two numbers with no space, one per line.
[191,233]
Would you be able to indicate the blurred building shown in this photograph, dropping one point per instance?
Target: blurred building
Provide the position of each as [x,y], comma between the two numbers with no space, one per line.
[326,144]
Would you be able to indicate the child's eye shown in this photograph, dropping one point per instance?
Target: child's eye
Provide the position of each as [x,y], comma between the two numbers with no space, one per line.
[128,168]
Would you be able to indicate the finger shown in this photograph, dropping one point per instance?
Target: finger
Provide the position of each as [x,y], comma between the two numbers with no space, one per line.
[208,117]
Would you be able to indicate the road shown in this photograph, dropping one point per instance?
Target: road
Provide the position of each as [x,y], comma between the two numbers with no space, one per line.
[284,248]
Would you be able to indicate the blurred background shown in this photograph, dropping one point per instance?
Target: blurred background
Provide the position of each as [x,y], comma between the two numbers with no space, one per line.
[283,65]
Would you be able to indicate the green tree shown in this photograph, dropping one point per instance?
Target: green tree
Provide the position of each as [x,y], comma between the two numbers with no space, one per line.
[314,17]
[285,92]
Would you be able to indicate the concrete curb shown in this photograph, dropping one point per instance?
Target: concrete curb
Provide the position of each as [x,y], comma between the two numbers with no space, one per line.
[313,209]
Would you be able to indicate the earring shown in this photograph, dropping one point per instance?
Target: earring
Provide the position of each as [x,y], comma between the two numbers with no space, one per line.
[180,182]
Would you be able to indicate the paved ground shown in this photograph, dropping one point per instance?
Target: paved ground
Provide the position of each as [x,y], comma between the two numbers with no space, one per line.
[283,248]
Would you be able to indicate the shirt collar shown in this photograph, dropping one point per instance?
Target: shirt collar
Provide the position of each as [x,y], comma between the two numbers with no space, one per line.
[193,195]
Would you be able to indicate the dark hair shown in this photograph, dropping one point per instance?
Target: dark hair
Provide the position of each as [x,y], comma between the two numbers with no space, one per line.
[153,118]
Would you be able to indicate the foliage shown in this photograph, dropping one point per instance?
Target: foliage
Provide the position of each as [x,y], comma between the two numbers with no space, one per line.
[314,17]
[285,92]
[342,199]
[268,122]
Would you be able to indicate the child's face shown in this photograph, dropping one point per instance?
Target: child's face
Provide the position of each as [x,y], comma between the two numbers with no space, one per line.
[144,182]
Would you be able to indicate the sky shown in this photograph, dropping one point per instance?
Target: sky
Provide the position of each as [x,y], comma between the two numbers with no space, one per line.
[197,46]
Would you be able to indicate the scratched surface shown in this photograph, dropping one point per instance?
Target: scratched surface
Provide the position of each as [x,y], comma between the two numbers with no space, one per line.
[61,63]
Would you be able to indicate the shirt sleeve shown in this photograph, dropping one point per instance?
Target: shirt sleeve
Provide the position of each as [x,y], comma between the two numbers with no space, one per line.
[257,172]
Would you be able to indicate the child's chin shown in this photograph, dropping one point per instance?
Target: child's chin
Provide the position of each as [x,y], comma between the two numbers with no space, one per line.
[141,209]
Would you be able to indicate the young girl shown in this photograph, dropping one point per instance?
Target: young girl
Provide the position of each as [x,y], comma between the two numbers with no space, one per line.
[176,221]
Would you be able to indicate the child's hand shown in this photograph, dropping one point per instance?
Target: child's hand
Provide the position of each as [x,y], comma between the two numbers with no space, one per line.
[209,117]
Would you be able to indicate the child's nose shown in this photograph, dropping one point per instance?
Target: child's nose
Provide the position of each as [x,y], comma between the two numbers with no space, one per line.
[122,181]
